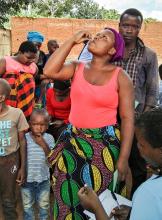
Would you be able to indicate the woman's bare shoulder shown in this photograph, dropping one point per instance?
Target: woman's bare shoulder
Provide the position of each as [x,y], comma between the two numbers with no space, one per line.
[124,79]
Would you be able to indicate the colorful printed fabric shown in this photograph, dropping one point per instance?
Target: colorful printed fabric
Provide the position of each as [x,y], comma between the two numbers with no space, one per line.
[22,91]
[83,156]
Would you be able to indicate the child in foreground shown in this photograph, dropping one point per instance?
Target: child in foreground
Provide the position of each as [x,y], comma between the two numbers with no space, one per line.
[37,187]
[146,202]
[12,151]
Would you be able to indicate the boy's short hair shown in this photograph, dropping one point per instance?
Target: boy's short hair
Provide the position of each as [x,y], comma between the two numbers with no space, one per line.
[51,42]
[5,87]
[43,112]
[28,46]
[132,12]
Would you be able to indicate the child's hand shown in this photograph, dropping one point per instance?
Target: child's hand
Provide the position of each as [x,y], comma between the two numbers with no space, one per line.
[81,36]
[122,213]
[88,199]
[21,176]
[39,140]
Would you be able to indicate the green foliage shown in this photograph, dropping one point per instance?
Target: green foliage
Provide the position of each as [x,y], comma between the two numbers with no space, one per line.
[34,13]
[149,20]
[110,14]
[67,8]
[85,9]
[9,7]
[48,8]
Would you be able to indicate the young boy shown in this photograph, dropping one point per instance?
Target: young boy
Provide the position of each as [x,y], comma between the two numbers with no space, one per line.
[12,151]
[37,187]
[52,46]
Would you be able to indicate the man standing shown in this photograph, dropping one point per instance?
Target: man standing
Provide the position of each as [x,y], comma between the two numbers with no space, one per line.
[140,63]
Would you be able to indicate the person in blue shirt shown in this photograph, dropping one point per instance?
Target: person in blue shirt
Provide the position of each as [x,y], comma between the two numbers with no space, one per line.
[147,199]
[36,189]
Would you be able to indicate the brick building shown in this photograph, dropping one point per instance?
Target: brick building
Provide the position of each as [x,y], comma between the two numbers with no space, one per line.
[61,29]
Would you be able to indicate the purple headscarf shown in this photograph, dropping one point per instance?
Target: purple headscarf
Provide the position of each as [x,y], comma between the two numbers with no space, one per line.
[119,45]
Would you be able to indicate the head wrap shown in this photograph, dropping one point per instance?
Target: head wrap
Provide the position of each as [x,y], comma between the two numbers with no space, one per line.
[35,37]
[119,45]
[61,85]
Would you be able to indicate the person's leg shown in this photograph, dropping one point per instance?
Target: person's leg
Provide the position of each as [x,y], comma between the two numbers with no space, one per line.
[9,166]
[28,199]
[43,199]
[138,167]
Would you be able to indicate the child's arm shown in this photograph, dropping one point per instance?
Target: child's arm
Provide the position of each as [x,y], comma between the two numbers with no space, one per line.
[22,171]
[42,143]
[89,200]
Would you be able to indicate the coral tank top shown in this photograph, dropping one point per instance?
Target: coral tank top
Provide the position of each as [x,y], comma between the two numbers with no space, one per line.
[93,106]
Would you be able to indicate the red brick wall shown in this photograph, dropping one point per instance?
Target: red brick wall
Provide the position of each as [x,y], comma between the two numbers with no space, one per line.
[62,29]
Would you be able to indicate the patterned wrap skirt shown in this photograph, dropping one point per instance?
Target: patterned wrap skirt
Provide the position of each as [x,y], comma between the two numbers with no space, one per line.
[83,156]
[22,91]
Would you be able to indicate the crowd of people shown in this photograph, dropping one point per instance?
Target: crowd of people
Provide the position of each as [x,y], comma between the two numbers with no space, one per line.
[81,121]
